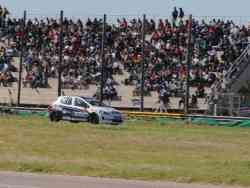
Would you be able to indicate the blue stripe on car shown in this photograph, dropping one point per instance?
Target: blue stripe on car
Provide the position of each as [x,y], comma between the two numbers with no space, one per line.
[71,109]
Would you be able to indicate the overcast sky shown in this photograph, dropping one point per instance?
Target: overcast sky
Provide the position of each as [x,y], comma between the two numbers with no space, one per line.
[83,8]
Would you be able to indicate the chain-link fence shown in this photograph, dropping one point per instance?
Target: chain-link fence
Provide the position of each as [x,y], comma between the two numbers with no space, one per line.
[226,104]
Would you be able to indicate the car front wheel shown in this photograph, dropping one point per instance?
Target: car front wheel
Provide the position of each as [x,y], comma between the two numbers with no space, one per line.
[55,116]
[94,119]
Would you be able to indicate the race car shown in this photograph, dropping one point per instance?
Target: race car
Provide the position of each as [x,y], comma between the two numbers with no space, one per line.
[83,109]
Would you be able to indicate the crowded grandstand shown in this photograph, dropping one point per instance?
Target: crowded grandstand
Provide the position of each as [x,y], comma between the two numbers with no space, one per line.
[216,44]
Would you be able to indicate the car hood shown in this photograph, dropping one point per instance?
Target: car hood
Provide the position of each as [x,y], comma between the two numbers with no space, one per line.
[106,109]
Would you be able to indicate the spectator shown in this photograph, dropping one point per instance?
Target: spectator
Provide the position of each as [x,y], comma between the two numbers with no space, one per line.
[194,101]
[181,13]
[174,16]
[181,102]
[163,100]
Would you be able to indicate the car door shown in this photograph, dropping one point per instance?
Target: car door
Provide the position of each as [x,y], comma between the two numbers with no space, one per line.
[81,110]
[66,106]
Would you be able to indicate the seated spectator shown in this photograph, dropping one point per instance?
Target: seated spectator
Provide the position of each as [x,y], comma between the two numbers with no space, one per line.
[200,91]
[181,103]
[194,101]
[6,79]
[28,79]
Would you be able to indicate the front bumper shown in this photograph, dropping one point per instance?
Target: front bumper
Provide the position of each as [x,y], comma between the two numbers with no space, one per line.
[112,120]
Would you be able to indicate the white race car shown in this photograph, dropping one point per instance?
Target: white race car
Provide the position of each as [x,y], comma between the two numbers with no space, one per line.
[83,109]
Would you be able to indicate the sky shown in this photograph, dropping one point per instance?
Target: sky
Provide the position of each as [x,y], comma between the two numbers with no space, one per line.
[232,9]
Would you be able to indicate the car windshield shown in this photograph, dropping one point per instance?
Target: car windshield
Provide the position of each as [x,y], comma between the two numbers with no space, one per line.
[95,102]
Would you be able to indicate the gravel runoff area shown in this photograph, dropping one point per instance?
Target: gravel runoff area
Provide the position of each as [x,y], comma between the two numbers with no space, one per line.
[26,180]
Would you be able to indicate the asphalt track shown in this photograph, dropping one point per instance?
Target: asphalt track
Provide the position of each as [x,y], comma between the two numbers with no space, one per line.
[25,180]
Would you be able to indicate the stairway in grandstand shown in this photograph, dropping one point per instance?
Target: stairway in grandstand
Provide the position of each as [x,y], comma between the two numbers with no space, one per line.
[239,73]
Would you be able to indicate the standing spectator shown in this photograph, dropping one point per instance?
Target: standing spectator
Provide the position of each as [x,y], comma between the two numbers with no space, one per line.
[194,101]
[163,100]
[181,13]
[1,17]
[4,13]
[174,16]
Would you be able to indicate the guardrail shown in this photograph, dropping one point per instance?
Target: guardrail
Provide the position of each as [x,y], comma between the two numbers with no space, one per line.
[133,109]
[182,116]
[132,114]
[153,115]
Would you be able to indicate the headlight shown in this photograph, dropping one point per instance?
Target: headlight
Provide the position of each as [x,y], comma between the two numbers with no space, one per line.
[116,113]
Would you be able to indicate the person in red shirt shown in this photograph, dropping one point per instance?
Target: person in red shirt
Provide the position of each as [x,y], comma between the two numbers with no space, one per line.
[155,37]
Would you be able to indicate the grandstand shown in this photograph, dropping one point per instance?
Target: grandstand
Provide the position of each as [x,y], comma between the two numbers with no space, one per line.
[45,96]
[220,60]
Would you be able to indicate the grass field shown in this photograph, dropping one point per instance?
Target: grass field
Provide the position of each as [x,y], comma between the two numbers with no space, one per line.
[142,150]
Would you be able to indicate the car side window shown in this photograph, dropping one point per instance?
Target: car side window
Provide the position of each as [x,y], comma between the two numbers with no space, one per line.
[80,103]
[66,100]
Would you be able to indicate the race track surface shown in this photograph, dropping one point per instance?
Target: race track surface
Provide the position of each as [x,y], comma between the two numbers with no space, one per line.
[25,180]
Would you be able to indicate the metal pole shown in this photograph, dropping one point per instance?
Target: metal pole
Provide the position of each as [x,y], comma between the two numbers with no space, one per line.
[60,56]
[103,58]
[21,57]
[143,63]
[189,55]
[215,102]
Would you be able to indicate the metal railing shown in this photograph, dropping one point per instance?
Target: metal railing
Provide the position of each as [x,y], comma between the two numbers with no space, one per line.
[237,68]
[241,62]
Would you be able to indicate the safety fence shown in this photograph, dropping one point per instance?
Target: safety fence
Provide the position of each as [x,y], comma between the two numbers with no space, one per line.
[163,119]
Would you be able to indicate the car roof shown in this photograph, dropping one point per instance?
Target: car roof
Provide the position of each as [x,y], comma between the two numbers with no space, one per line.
[77,96]
[83,97]
[87,98]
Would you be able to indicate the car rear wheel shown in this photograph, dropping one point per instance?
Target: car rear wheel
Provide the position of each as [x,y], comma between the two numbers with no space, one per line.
[94,119]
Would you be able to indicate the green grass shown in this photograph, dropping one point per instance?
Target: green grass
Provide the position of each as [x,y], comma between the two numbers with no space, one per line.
[144,150]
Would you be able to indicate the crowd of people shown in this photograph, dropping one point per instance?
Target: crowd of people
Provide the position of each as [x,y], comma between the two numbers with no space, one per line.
[215,45]
[6,69]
